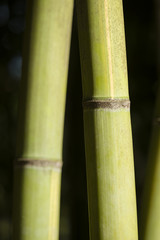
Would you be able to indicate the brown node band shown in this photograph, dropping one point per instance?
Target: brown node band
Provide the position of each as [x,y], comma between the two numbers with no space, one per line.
[55,164]
[106,104]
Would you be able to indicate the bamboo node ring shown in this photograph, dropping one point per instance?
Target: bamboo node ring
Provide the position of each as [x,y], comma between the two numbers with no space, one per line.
[109,103]
[55,164]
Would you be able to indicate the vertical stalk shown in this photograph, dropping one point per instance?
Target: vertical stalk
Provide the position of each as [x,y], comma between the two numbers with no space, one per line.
[150,215]
[108,138]
[41,119]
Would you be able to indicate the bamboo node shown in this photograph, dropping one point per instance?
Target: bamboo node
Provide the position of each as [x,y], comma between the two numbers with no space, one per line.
[55,164]
[109,103]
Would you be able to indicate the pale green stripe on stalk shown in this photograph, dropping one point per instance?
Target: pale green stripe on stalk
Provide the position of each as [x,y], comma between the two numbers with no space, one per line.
[103,49]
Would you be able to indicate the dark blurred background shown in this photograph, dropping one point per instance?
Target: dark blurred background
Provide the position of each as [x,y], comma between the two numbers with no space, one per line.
[141,21]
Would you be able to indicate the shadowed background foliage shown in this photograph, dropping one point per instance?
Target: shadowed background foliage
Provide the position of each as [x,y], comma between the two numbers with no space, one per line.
[142,51]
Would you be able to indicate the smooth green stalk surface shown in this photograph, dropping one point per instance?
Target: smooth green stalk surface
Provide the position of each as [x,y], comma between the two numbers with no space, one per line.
[102,45]
[41,120]
[108,137]
[150,216]
[37,194]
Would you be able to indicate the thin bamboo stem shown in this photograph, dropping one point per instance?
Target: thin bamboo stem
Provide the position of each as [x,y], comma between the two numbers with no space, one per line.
[107,127]
[41,120]
[150,215]
[150,212]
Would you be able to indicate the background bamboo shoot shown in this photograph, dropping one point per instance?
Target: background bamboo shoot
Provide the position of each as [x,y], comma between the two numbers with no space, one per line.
[41,120]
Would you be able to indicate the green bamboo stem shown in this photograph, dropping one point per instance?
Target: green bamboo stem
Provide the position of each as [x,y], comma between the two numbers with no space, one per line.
[107,127]
[150,215]
[150,212]
[41,119]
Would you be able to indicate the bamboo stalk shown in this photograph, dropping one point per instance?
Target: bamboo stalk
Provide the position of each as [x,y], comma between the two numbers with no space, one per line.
[150,215]
[107,127]
[150,212]
[41,119]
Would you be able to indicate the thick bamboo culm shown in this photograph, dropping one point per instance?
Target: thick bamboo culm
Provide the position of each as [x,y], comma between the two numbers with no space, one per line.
[107,127]
[37,176]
